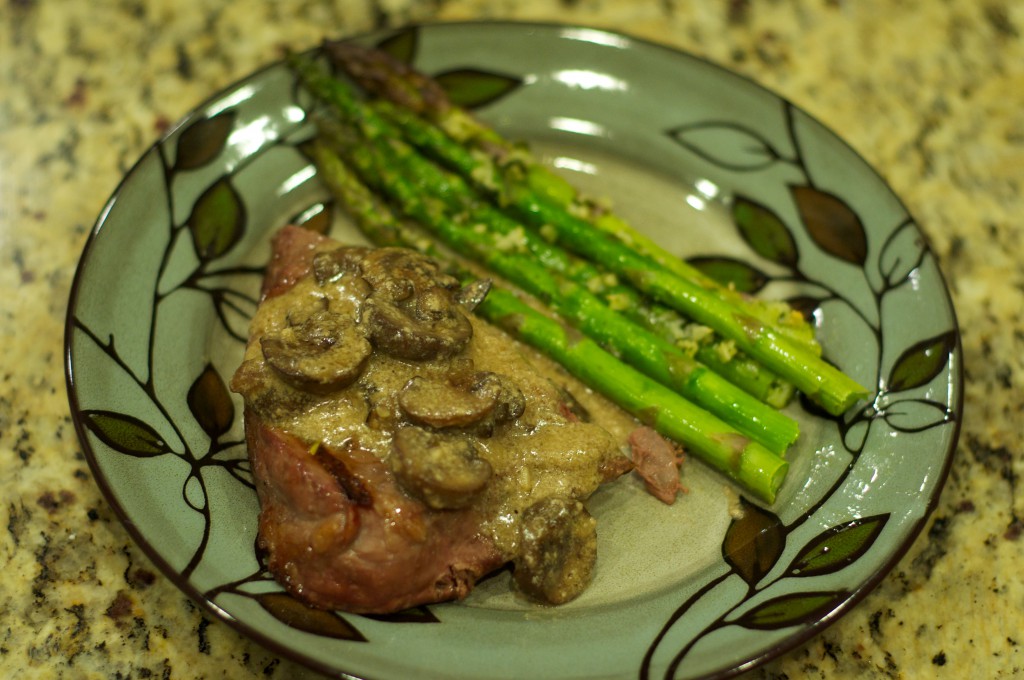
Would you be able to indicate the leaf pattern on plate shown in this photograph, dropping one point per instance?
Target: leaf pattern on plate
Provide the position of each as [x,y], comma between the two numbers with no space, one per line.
[728,271]
[209,401]
[920,363]
[217,220]
[764,231]
[203,140]
[915,415]
[216,223]
[791,610]
[473,89]
[832,224]
[838,546]
[753,543]
[903,251]
[291,612]
[728,145]
[125,433]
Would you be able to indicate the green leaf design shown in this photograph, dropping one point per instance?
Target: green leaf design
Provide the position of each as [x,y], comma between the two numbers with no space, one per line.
[125,433]
[754,542]
[831,224]
[727,271]
[401,45]
[217,221]
[791,610]
[472,88]
[210,403]
[764,231]
[203,140]
[920,363]
[838,546]
[291,612]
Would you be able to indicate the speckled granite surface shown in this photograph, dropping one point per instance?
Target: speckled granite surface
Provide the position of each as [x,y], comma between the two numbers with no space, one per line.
[928,91]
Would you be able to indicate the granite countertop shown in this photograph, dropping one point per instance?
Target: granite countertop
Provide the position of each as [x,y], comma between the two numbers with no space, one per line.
[928,92]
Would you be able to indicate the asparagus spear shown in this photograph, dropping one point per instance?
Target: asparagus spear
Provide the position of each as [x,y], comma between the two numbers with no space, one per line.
[809,373]
[795,362]
[701,342]
[381,166]
[720,356]
[739,370]
[819,380]
[753,467]
[472,148]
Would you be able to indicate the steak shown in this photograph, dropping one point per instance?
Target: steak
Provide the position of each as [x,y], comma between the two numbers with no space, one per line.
[402,448]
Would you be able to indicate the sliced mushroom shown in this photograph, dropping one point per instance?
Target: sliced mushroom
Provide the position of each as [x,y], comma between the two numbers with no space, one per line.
[439,404]
[331,265]
[272,400]
[509,402]
[384,266]
[443,471]
[411,313]
[324,353]
[473,401]
[403,333]
[558,550]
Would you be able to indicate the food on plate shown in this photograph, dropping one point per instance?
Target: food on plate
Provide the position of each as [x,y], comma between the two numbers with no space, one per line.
[402,448]
[399,152]
[414,107]
[746,462]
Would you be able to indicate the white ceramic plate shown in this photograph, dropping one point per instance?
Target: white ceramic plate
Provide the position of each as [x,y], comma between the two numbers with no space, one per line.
[709,163]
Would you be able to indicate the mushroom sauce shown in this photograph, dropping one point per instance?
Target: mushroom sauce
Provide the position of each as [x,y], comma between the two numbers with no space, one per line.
[379,348]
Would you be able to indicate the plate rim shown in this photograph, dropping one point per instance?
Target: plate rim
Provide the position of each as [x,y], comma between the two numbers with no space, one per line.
[854,597]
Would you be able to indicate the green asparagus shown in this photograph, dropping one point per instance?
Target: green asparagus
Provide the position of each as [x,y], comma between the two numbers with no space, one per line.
[736,367]
[477,151]
[752,466]
[382,166]
[816,378]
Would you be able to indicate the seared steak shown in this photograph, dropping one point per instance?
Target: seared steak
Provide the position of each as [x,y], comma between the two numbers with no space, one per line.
[401,447]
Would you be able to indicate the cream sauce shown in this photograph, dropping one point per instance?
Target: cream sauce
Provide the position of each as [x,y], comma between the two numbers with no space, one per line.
[544,452]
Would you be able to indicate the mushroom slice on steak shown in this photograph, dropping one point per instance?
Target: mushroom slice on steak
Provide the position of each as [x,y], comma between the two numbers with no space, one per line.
[411,313]
[324,353]
[509,402]
[439,404]
[476,401]
[558,550]
[442,471]
[331,265]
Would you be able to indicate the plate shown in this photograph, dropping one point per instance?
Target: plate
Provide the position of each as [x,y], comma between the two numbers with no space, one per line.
[714,166]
